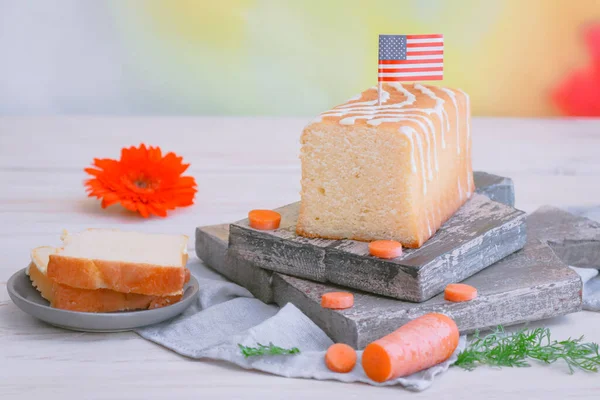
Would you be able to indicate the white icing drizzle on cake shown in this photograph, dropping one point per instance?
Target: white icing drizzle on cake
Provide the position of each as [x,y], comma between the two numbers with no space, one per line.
[453,98]
[376,114]
[408,131]
[369,111]
[412,134]
[385,96]
[468,142]
[438,110]
[428,131]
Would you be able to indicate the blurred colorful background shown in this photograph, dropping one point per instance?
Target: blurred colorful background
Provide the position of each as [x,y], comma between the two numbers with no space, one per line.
[274,57]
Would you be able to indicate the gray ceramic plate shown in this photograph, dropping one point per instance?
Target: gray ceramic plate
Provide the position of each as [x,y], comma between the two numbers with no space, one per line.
[28,299]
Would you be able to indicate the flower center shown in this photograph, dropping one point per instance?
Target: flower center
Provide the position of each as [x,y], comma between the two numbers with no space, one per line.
[141,183]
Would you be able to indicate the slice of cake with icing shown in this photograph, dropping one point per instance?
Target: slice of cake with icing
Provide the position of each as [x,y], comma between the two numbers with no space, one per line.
[393,171]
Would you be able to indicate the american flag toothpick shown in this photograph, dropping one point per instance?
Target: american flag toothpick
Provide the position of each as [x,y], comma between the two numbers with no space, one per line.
[410,58]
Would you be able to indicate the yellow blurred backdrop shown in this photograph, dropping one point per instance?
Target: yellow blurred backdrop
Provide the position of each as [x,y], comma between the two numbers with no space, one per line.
[281,57]
[300,57]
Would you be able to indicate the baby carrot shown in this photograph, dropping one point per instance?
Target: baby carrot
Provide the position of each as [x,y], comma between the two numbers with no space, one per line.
[385,249]
[340,358]
[458,292]
[337,300]
[264,220]
[417,345]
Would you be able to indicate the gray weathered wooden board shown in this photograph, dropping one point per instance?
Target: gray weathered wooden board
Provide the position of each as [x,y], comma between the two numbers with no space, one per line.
[528,285]
[479,234]
[497,188]
[512,293]
[209,241]
[574,239]
[211,247]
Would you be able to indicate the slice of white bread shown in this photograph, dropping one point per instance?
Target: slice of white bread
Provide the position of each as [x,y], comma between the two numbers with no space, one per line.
[127,262]
[74,299]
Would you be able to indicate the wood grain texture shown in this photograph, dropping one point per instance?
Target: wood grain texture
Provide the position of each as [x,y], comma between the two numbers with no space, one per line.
[41,160]
[479,234]
[210,242]
[528,285]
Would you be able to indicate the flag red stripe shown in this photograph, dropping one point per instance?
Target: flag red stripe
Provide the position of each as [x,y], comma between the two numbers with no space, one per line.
[411,69]
[424,36]
[434,44]
[424,53]
[433,61]
[411,78]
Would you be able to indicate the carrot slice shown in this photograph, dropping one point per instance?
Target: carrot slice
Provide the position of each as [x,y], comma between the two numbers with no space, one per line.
[417,345]
[459,292]
[340,358]
[337,300]
[385,249]
[264,220]
[188,274]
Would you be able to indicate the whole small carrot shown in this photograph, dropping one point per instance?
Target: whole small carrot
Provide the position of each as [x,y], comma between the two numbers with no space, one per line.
[417,345]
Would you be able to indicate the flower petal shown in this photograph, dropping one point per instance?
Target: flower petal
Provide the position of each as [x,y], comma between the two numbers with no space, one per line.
[156,209]
[142,180]
[143,210]
[128,204]
[110,199]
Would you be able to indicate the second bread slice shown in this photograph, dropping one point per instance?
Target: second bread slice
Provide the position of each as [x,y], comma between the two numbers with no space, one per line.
[74,299]
[126,262]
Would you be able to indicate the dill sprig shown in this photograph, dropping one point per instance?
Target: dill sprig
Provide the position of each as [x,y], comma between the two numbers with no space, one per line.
[502,349]
[270,350]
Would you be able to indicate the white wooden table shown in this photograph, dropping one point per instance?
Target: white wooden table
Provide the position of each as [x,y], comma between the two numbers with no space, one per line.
[239,164]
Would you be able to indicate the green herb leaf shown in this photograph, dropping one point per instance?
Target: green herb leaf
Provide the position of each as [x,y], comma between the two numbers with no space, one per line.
[262,350]
[501,349]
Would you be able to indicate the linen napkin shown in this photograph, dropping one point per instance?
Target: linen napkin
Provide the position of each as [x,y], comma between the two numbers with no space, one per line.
[226,314]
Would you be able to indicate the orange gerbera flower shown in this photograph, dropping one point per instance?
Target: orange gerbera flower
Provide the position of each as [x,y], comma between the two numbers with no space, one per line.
[142,180]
